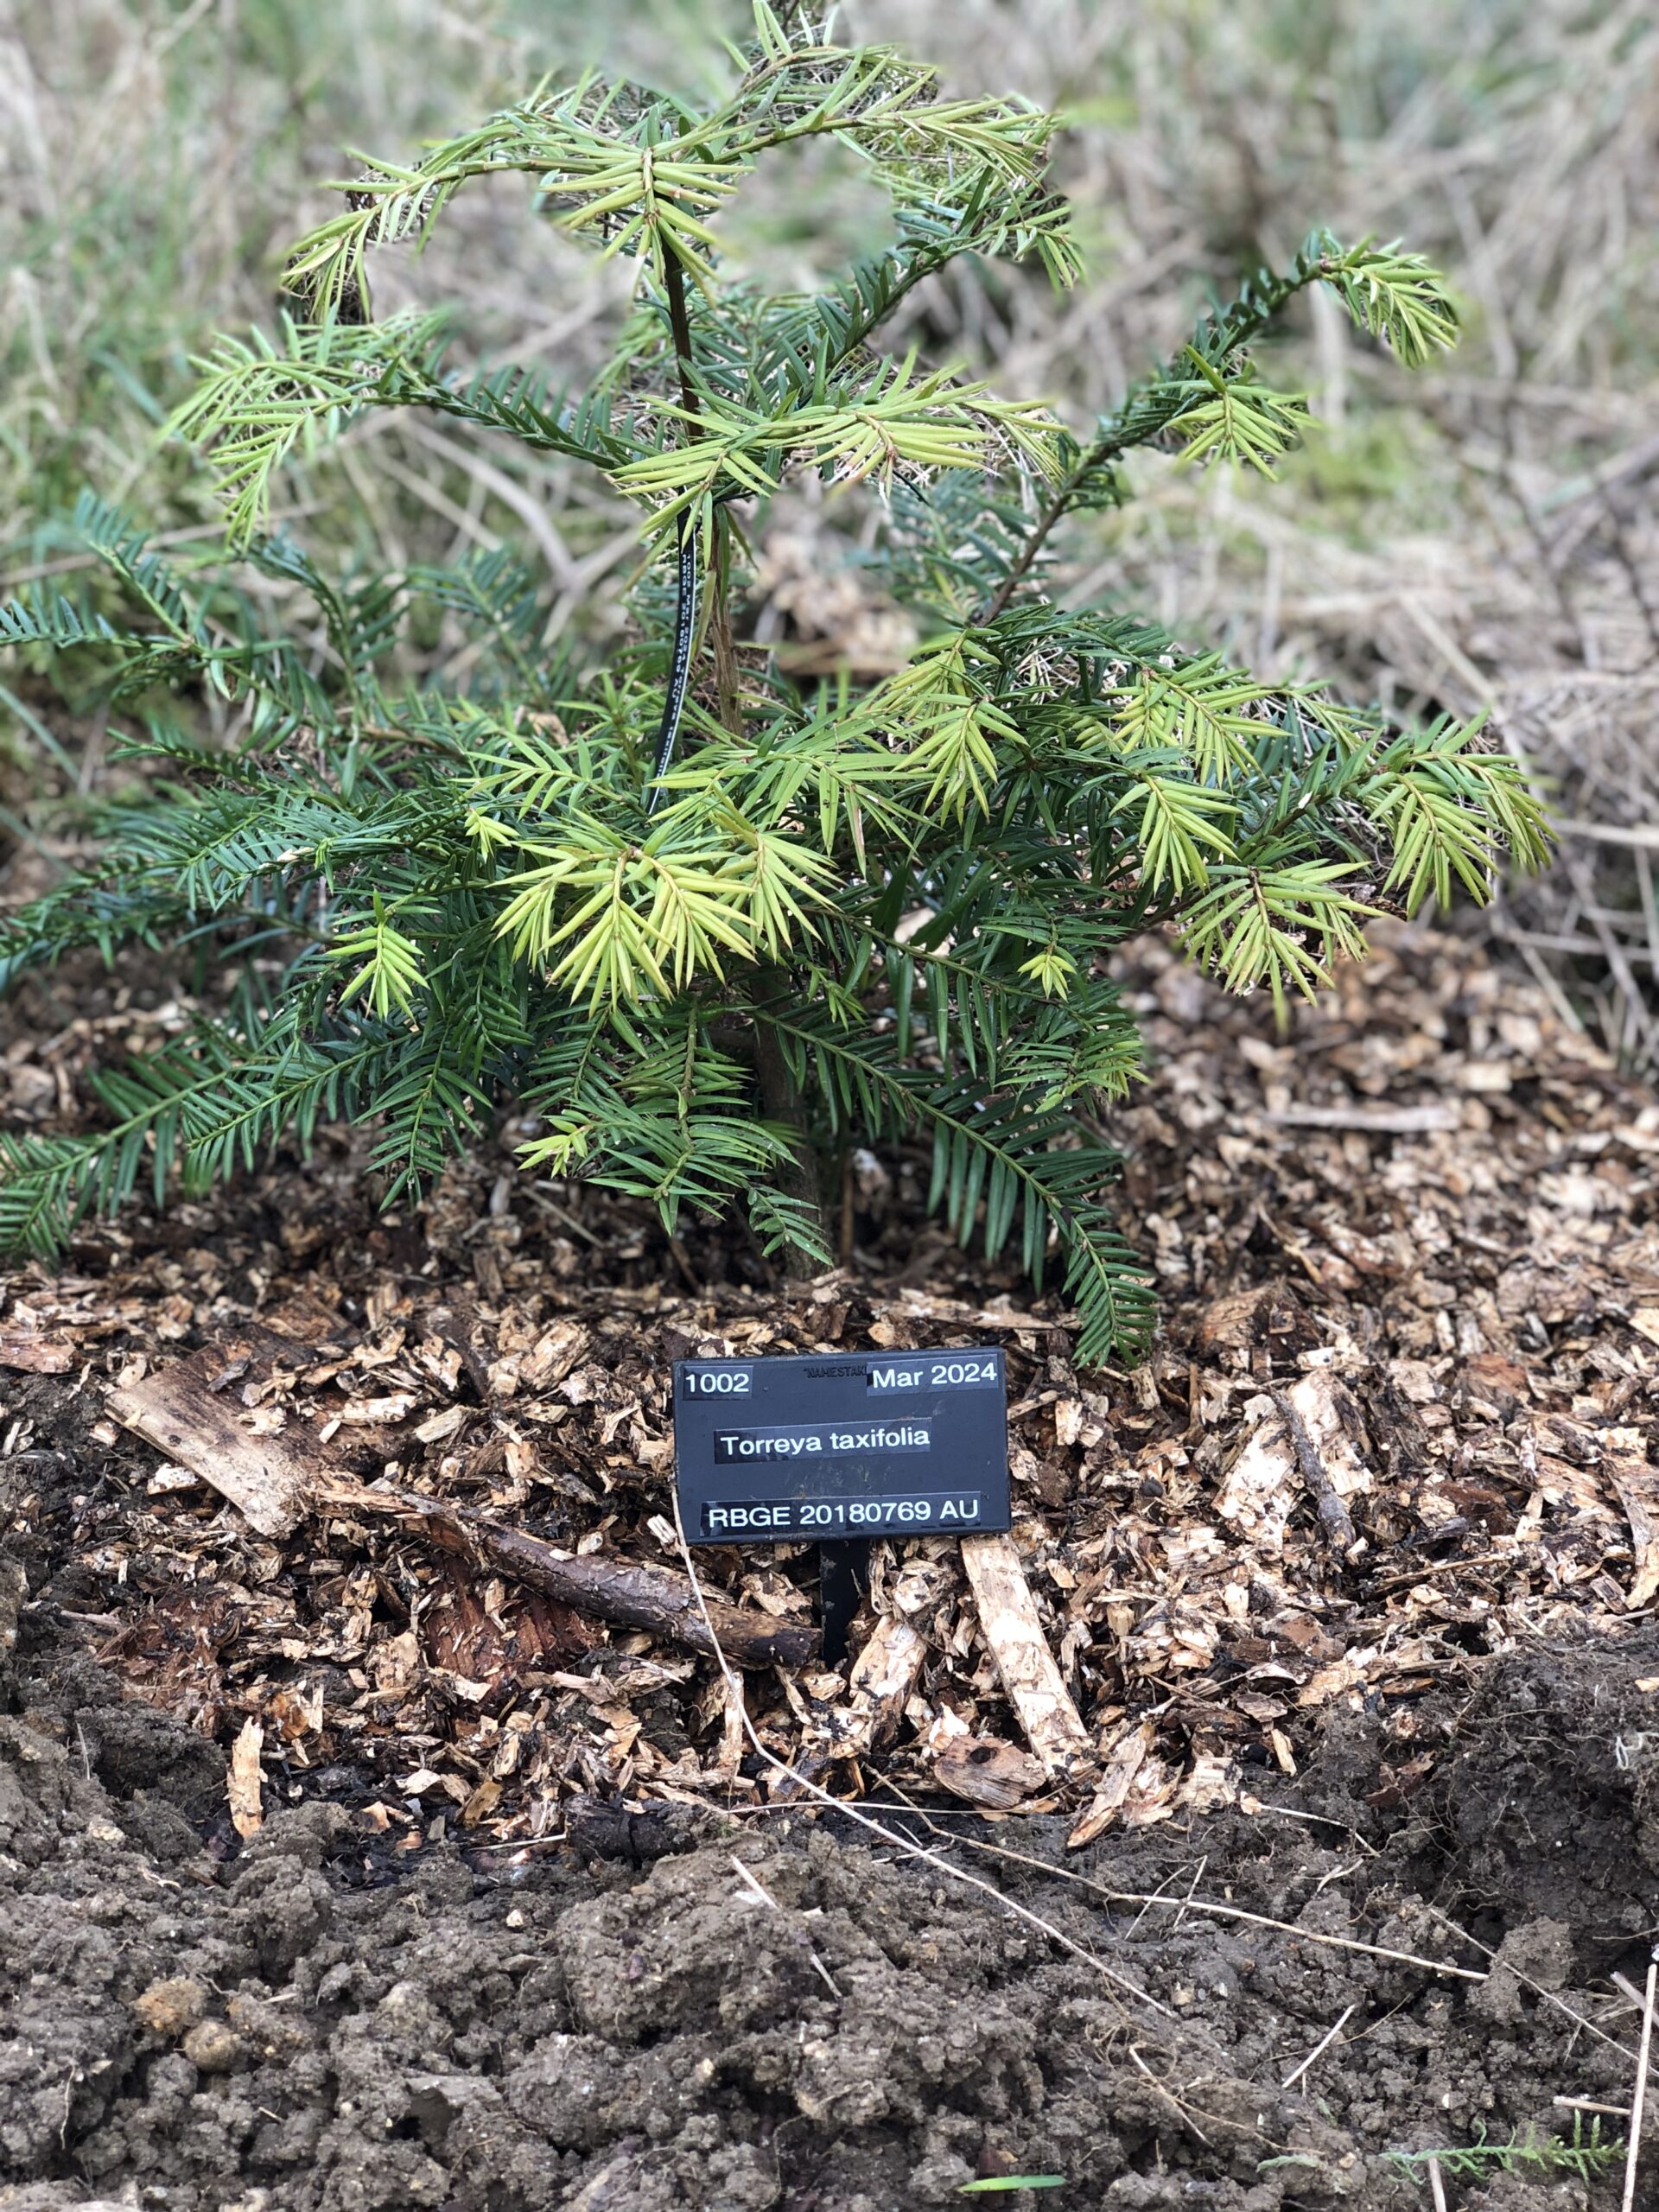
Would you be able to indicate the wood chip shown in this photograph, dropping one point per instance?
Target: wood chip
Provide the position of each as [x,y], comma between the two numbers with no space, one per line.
[370,1410]
[268,1477]
[482,1802]
[1010,1624]
[1637,1485]
[1256,1496]
[245,1782]
[986,1770]
[30,1354]
[1123,1764]
[884,1675]
[167,1479]
[1372,1121]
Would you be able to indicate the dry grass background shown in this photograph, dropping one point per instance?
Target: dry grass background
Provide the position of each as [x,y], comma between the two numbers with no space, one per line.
[1484,536]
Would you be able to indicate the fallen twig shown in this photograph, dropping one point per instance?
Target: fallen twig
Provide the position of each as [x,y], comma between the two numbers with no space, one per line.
[1334,1517]
[1642,836]
[624,1591]
[275,1480]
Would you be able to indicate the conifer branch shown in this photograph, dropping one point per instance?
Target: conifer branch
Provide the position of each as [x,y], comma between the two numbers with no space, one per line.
[1393,296]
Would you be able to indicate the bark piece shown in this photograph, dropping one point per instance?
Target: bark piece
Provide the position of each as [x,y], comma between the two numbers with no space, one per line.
[624,1591]
[1636,1488]
[1009,1622]
[30,1353]
[988,1771]
[1128,1756]
[244,1784]
[1322,1426]
[268,1477]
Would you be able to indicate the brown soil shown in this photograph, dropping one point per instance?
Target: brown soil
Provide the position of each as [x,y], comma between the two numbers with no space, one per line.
[491,1948]
[620,2022]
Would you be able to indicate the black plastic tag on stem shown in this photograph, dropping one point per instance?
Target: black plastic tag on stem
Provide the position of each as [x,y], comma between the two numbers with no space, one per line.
[836,1448]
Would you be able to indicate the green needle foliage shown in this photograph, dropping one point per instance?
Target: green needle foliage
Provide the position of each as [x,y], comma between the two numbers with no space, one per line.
[1585,2155]
[710,923]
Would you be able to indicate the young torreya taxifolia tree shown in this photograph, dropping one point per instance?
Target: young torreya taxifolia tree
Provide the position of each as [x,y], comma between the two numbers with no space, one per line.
[709,923]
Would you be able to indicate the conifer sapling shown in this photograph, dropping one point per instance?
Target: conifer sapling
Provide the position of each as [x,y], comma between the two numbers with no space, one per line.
[707,921]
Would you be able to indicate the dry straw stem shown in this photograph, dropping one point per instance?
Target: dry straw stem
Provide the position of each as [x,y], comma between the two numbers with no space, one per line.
[1639,2100]
[760,1891]
[1320,2048]
[1537,1987]
[1193,1904]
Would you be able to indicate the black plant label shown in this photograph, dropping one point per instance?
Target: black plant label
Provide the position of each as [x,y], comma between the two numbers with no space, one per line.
[820,1448]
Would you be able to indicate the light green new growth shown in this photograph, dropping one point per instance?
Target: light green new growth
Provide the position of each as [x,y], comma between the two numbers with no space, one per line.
[1005,2185]
[1585,2155]
[712,938]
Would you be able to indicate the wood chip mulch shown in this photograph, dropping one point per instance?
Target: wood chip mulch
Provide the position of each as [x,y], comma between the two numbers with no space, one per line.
[1400,1416]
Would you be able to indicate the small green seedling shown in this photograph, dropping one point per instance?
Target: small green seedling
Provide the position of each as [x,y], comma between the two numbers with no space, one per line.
[997,2183]
[714,922]
[1585,2156]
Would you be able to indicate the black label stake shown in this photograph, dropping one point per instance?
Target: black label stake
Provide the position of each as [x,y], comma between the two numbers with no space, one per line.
[836,1448]
[843,1576]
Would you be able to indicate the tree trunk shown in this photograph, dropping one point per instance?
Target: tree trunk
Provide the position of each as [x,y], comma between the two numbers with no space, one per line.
[781,1102]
